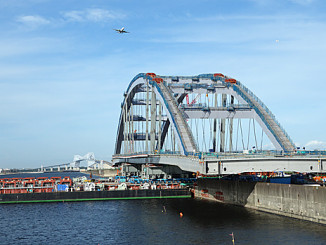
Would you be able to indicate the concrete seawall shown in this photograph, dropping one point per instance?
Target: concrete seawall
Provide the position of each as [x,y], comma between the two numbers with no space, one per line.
[297,201]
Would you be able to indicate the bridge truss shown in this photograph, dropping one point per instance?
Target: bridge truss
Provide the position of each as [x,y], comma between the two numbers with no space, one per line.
[191,115]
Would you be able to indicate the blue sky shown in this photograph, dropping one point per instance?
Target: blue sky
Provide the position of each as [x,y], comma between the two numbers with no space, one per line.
[63,70]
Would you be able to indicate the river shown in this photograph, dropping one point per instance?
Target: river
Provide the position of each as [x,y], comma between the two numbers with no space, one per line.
[154,221]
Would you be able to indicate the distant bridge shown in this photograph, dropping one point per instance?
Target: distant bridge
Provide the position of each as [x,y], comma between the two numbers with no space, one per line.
[75,165]
[211,124]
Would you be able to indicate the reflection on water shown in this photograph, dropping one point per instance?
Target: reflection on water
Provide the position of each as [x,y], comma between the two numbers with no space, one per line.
[146,222]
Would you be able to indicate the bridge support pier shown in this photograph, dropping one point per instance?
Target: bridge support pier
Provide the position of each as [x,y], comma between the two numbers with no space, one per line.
[143,171]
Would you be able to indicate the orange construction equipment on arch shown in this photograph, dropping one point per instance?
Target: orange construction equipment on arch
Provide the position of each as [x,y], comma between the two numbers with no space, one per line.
[152,75]
[157,80]
[230,80]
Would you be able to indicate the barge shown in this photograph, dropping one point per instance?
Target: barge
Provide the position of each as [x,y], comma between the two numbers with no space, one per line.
[93,195]
[57,189]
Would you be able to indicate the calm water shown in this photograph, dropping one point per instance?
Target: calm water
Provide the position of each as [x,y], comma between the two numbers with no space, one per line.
[143,222]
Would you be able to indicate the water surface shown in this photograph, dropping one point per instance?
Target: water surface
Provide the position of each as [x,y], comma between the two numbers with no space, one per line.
[145,222]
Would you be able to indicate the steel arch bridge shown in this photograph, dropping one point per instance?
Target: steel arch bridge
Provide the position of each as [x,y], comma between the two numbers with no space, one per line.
[191,115]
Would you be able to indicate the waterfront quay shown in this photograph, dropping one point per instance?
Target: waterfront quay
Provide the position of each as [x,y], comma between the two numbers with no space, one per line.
[306,202]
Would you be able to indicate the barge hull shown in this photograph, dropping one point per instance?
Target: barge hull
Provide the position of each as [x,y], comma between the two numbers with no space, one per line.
[92,196]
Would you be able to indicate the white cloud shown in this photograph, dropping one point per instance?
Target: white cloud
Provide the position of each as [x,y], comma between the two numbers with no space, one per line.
[33,20]
[88,15]
[92,15]
[74,16]
[316,145]
[100,14]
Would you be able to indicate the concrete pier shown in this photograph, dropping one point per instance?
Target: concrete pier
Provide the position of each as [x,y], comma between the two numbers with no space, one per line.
[297,201]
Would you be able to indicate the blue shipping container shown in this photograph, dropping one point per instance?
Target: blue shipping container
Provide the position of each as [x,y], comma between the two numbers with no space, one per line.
[62,187]
[280,180]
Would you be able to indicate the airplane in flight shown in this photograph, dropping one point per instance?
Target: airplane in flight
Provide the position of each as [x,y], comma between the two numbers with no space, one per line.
[121,31]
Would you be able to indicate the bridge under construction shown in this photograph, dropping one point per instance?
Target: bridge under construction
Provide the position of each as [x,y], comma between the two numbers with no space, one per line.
[209,124]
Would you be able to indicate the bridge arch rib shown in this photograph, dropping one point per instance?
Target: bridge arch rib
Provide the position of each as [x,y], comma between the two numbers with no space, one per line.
[175,117]
[170,91]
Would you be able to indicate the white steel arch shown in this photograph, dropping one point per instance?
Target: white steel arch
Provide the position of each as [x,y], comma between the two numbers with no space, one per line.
[170,91]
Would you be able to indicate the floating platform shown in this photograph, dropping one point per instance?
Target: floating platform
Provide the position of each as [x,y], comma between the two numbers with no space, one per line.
[92,196]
